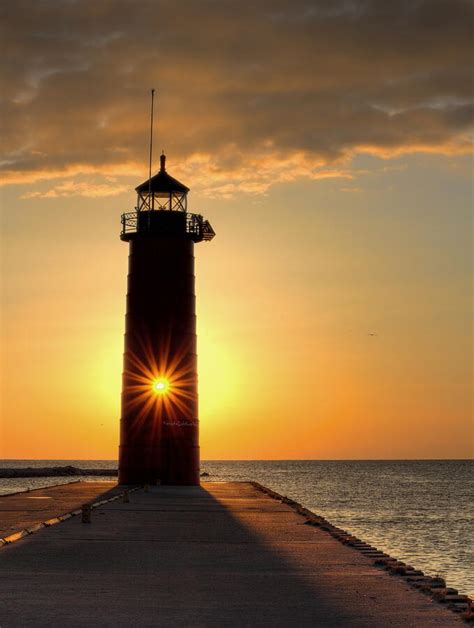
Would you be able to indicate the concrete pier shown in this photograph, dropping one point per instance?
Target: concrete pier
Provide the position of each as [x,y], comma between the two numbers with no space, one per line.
[26,509]
[223,554]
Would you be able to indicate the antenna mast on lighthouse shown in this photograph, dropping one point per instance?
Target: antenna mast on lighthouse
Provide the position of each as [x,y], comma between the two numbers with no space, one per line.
[151,140]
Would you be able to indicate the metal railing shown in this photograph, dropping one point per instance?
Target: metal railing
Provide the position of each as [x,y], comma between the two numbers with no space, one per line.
[129,223]
[195,225]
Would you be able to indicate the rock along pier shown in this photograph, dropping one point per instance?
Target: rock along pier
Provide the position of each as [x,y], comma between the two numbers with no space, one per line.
[219,554]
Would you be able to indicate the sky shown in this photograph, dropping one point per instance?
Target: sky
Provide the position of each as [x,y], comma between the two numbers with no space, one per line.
[329,143]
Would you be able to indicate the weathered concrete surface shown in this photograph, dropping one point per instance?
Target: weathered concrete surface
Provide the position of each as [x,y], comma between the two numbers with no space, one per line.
[23,510]
[216,555]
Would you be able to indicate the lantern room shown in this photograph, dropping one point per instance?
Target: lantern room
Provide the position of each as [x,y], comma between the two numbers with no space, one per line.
[162,211]
[162,192]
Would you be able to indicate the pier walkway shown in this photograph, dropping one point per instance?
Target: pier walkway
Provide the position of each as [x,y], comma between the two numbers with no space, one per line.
[223,554]
[27,508]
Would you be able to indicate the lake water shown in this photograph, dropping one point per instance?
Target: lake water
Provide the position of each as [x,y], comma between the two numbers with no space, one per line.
[418,511]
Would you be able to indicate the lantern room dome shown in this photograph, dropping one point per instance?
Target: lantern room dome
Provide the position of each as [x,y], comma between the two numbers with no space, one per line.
[162,182]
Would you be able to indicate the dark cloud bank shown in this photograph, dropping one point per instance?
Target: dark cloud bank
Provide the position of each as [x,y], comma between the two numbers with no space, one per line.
[288,83]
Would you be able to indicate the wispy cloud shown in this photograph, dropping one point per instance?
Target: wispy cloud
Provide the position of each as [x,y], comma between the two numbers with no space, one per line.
[248,94]
[83,188]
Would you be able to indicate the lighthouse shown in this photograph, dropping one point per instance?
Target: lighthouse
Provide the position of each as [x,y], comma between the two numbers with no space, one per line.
[159,432]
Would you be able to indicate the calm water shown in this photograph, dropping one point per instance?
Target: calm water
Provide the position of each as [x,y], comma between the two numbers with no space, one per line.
[418,511]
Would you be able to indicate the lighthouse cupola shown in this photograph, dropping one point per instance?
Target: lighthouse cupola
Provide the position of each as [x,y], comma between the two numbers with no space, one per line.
[162,191]
[162,209]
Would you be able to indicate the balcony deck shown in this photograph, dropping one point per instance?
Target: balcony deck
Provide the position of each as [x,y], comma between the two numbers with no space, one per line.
[165,223]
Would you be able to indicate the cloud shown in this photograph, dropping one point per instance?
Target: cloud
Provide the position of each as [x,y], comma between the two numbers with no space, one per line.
[248,94]
[74,188]
[351,190]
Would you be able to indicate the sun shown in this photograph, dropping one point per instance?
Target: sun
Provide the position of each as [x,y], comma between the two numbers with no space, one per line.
[160,386]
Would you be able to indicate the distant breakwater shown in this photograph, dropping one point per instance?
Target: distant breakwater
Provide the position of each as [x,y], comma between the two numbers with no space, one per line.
[57,472]
[52,472]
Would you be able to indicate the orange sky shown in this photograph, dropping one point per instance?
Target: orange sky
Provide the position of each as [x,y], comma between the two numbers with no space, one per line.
[334,304]
[288,293]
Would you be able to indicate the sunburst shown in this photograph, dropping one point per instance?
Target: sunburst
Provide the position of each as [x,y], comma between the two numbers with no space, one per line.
[161,384]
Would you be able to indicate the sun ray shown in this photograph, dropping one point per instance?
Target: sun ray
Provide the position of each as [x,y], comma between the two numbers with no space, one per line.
[159,384]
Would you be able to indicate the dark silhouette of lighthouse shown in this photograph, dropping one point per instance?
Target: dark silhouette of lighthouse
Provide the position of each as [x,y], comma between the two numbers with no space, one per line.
[159,439]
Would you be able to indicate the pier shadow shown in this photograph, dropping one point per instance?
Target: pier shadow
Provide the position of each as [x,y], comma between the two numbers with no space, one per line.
[232,568]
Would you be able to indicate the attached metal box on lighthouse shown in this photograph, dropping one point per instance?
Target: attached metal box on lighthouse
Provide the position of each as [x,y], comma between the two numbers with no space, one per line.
[159,434]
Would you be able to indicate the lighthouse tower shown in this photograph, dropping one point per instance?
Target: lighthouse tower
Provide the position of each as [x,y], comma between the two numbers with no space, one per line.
[159,438]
